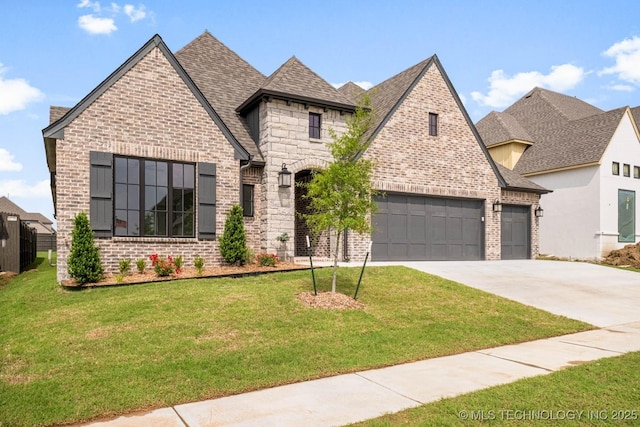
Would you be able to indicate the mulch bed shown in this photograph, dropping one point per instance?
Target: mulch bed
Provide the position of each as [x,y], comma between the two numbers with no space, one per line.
[187,273]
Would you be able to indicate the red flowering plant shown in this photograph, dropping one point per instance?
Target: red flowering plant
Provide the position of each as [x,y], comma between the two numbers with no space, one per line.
[163,267]
[267,260]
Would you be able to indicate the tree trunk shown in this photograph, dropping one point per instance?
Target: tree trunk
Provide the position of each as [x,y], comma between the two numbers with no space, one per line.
[335,263]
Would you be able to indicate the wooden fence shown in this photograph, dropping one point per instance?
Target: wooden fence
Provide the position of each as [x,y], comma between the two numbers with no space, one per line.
[18,244]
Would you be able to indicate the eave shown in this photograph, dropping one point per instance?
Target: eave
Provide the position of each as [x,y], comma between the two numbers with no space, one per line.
[267,95]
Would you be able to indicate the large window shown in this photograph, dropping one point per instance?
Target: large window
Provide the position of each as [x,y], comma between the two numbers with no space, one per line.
[154,198]
[314,125]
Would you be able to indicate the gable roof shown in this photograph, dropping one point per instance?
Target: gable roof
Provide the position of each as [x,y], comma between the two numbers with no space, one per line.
[295,81]
[517,182]
[56,129]
[10,207]
[387,96]
[565,131]
[226,80]
[497,128]
[635,112]
[352,91]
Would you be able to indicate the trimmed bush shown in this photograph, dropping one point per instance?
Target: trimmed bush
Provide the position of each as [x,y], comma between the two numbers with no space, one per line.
[84,260]
[233,244]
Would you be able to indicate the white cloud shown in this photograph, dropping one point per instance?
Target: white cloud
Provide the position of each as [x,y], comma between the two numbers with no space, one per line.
[504,89]
[627,56]
[89,4]
[115,7]
[95,25]
[19,189]
[6,162]
[16,93]
[621,88]
[133,13]
[363,84]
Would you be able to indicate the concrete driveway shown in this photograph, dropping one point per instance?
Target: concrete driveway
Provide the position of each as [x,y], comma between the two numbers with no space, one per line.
[601,296]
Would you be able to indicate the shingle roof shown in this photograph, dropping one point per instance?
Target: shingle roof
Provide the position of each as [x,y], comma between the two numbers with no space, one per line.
[500,127]
[10,207]
[351,90]
[515,181]
[225,79]
[565,131]
[386,96]
[294,80]
[635,112]
[576,143]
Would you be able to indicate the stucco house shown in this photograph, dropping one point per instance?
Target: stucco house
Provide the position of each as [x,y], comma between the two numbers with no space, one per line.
[160,150]
[590,158]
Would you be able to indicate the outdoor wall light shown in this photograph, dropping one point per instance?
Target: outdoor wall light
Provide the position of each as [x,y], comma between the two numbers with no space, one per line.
[497,206]
[539,212]
[284,177]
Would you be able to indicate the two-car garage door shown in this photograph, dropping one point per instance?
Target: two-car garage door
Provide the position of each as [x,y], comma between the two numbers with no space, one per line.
[419,228]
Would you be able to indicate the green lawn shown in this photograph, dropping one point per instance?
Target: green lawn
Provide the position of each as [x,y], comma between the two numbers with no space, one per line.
[601,393]
[69,356]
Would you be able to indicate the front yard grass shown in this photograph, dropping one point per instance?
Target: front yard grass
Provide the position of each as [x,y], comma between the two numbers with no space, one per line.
[71,356]
[605,392]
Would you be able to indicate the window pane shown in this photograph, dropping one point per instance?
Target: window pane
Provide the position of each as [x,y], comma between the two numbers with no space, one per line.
[133,198]
[149,223]
[189,176]
[133,220]
[161,194]
[121,196]
[177,224]
[188,200]
[626,216]
[121,223]
[161,224]
[149,172]
[177,200]
[149,198]
[178,179]
[188,225]
[162,173]
[133,173]
[121,170]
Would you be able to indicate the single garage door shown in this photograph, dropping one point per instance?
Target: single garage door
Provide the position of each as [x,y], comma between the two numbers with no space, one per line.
[516,232]
[419,228]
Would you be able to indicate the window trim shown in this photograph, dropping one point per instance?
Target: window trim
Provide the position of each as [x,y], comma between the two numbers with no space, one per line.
[433,124]
[615,168]
[626,170]
[636,172]
[141,198]
[251,201]
[313,128]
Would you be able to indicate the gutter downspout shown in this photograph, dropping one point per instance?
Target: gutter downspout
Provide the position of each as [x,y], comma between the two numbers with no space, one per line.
[242,169]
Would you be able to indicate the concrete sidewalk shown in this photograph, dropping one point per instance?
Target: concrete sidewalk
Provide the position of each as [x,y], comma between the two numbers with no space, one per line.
[349,398]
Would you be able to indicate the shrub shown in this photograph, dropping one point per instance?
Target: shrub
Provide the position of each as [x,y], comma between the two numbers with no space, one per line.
[233,244]
[268,260]
[141,265]
[162,267]
[84,259]
[250,256]
[178,263]
[124,266]
[198,263]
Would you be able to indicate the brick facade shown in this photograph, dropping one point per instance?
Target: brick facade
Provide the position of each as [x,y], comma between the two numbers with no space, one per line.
[149,112]
[526,199]
[451,164]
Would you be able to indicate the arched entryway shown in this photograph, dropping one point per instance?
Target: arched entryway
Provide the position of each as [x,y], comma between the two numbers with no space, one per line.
[320,245]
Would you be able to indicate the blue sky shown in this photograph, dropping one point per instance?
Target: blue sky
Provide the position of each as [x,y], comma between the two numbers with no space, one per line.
[55,52]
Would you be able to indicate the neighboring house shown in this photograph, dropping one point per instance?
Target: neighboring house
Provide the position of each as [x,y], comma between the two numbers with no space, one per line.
[159,152]
[37,221]
[590,158]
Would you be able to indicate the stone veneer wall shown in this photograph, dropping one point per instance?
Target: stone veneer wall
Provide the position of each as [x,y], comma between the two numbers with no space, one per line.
[526,199]
[149,112]
[451,164]
[284,138]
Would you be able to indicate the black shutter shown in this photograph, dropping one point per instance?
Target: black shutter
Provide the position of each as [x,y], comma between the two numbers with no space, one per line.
[101,188]
[206,201]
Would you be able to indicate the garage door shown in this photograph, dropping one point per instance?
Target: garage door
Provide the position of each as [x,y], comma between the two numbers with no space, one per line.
[516,232]
[418,228]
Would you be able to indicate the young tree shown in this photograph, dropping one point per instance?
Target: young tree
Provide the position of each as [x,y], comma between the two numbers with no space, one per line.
[233,244]
[341,195]
[84,260]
